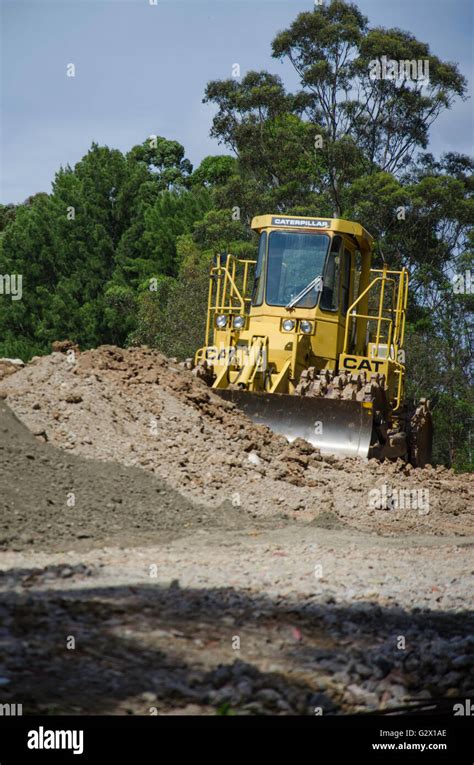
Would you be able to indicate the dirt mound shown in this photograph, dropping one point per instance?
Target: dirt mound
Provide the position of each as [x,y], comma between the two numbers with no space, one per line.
[137,408]
[58,501]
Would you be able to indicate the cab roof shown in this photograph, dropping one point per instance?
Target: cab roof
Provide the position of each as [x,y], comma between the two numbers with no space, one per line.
[306,223]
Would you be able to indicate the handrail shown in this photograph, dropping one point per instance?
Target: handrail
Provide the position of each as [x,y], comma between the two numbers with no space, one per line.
[351,308]
[396,321]
[224,276]
[227,276]
[397,318]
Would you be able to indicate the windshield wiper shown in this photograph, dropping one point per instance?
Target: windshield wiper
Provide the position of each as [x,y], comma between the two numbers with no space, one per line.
[317,284]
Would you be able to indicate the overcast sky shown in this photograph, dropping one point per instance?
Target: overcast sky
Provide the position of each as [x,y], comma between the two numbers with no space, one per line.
[142,69]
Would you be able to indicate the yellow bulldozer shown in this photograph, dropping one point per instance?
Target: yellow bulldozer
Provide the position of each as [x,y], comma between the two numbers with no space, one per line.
[308,339]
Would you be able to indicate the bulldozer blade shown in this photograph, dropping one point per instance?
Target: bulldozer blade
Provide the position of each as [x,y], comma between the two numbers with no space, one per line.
[338,427]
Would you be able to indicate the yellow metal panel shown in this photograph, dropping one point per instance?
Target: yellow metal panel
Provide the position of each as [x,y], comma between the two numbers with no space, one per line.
[354,364]
[307,223]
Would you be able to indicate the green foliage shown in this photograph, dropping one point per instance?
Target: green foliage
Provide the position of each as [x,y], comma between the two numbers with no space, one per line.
[225,709]
[214,171]
[439,367]
[366,124]
[165,160]
[120,311]
[110,223]
[173,317]
[218,230]
[7,215]
[172,313]
[148,248]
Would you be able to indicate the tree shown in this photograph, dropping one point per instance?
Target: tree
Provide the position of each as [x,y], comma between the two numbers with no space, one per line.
[172,316]
[165,160]
[73,247]
[148,248]
[361,124]
[214,171]
[336,54]
[7,215]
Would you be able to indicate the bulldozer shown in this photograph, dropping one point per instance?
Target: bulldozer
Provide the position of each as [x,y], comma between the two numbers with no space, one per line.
[308,340]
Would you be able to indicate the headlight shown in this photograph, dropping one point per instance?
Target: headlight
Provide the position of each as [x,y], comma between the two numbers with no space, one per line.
[288,325]
[306,327]
[221,321]
[239,322]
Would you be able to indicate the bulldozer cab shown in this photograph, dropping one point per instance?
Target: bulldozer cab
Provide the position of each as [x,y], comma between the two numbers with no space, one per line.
[296,293]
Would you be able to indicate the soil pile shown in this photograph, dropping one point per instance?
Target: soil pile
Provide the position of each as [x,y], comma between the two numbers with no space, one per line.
[52,500]
[137,408]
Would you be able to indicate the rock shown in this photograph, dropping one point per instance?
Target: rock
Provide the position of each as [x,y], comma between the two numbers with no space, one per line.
[13,362]
[63,346]
[254,708]
[363,695]
[463,661]
[283,706]
[384,665]
[7,368]
[223,695]
[398,692]
[451,679]
[341,678]
[221,675]
[452,693]
[362,670]
[73,398]
[241,669]
[149,696]
[268,696]
[245,690]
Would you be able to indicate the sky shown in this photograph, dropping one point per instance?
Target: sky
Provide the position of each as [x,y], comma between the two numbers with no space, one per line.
[141,70]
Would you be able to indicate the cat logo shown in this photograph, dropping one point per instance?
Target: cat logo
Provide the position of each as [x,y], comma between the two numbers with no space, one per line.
[354,363]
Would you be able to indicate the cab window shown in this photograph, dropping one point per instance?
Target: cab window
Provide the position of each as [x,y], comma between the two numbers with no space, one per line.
[257,295]
[346,281]
[330,294]
[295,260]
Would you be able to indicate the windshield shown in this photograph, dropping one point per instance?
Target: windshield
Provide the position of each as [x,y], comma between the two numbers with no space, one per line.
[294,261]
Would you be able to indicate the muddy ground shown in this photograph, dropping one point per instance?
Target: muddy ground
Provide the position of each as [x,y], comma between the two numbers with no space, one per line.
[160,553]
